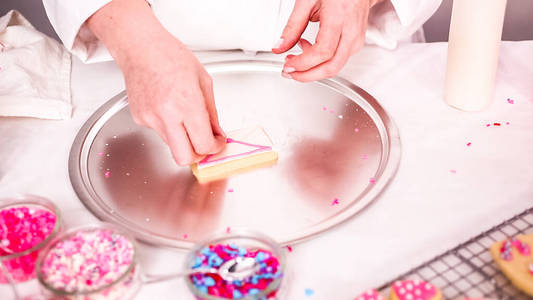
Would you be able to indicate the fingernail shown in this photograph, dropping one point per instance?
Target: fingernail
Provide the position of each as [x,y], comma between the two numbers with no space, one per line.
[286,75]
[289,69]
[278,43]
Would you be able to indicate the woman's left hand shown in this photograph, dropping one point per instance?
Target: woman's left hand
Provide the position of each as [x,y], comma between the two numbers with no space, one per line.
[342,33]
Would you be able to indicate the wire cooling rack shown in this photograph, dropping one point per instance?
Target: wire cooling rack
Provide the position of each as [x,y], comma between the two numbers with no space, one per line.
[468,269]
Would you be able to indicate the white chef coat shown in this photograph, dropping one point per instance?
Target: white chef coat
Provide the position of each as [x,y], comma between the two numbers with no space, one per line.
[251,25]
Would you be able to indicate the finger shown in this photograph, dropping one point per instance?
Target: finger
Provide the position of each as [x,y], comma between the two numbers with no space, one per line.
[180,146]
[323,50]
[207,90]
[295,26]
[331,67]
[198,127]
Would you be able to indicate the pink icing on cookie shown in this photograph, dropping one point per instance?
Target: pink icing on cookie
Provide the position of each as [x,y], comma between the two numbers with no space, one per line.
[506,252]
[258,148]
[414,290]
[370,295]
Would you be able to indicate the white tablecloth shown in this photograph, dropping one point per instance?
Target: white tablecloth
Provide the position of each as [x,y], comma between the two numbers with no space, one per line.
[427,209]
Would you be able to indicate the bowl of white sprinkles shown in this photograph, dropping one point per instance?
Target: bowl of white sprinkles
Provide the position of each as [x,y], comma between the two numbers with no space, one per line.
[92,262]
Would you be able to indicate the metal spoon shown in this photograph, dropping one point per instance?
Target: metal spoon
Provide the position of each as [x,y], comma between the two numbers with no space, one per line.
[235,269]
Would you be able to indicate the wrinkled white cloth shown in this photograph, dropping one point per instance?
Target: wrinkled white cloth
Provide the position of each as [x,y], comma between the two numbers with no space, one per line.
[34,72]
[250,25]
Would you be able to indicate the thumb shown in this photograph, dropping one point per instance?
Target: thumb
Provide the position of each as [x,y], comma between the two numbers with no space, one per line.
[295,26]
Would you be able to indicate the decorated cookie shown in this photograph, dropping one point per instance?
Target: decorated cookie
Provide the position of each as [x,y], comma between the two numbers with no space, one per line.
[246,149]
[514,258]
[370,295]
[414,290]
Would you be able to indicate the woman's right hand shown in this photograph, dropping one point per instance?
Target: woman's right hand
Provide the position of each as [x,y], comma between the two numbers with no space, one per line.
[168,89]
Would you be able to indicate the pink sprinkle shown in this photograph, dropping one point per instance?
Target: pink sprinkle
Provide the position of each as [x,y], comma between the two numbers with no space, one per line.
[372,180]
[107,174]
[510,101]
[507,123]
[356,129]
[324,108]
[185,236]
[468,144]
[101,153]
[488,125]
[364,156]
[228,230]
[453,171]
[497,124]
[335,202]
[331,111]
[230,190]
[289,248]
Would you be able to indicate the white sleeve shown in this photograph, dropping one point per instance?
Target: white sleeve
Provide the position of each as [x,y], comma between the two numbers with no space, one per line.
[68,19]
[395,20]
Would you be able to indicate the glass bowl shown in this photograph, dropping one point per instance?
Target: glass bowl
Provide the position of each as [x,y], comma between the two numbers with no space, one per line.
[124,285]
[250,241]
[17,267]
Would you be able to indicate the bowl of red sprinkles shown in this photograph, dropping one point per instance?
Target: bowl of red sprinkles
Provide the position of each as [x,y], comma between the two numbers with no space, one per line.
[27,225]
[263,283]
[89,263]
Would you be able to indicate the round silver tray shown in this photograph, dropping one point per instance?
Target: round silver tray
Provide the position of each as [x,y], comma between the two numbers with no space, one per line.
[338,149]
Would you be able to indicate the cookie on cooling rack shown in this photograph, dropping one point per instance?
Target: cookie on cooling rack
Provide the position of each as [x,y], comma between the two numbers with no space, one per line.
[414,290]
[514,258]
[370,295]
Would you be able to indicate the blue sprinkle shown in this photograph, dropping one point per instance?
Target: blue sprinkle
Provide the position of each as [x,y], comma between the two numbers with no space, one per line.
[253,291]
[255,279]
[237,294]
[237,283]
[206,251]
[262,265]
[233,246]
[242,251]
[309,292]
[208,281]
[197,262]
[202,289]
[260,257]
[214,260]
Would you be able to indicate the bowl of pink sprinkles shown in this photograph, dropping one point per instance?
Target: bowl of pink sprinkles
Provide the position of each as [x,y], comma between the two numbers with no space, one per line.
[93,262]
[27,225]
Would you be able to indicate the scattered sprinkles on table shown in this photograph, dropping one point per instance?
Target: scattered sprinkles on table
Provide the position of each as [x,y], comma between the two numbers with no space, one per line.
[230,190]
[356,130]
[468,144]
[510,101]
[335,201]
[22,228]
[255,286]
[453,171]
[309,292]
[87,261]
[289,248]
[372,180]
[107,174]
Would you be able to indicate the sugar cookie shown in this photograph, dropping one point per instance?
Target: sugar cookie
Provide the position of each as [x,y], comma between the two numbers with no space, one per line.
[414,290]
[246,149]
[514,258]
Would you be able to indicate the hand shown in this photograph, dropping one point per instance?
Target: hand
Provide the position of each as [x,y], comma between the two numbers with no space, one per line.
[342,33]
[168,89]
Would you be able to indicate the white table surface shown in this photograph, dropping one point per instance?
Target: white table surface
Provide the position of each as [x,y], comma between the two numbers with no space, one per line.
[426,210]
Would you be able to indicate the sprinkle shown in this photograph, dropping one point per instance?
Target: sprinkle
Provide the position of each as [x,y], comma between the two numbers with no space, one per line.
[230,190]
[289,248]
[228,230]
[365,156]
[309,292]
[100,153]
[22,228]
[185,236]
[372,180]
[114,136]
[510,101]
[89,260]
[147,219]
[356,130]
[453,171]
[324,108]
[128,174]
[340,117]
[488,125]
[497,124]
[468,144]
[107,174]
[331,111]
[507,123]
[335,202]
